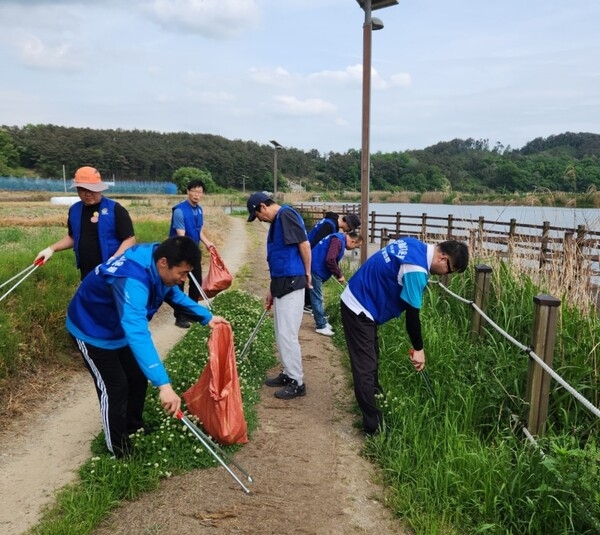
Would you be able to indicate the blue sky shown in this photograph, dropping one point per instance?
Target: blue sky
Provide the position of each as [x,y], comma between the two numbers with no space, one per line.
[290,70]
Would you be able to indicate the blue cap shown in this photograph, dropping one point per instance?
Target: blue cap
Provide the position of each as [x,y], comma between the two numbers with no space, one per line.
[254,201]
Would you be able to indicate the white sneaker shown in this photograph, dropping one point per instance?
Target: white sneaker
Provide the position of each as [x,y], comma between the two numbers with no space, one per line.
[329,326]
[325,331]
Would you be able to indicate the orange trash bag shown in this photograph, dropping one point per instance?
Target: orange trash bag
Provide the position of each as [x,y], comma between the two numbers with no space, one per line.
[216,398]
[218,278]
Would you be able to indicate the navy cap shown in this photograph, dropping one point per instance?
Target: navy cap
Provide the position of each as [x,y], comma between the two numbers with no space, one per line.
[352,220]
[254,201]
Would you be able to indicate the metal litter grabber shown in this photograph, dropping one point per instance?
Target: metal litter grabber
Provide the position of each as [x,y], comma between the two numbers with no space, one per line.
[213,448]
[26,272]
[425,376]
[253,335]
[202,292]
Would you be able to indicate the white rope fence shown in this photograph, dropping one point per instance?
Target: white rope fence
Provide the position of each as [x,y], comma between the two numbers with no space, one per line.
[585,402]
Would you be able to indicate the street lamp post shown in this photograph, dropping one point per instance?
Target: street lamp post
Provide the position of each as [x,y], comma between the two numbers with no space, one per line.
[276,146]
[369,25]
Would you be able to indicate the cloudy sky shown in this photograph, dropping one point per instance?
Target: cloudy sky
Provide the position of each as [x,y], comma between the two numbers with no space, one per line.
[290,70]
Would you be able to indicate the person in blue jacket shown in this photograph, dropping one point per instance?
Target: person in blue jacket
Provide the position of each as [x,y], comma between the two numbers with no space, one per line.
[187,219]
[98,227]
[326,256]
[390,282]
[108,319]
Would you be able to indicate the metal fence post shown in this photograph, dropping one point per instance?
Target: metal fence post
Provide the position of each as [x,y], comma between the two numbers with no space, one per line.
[546,308]
[483,276]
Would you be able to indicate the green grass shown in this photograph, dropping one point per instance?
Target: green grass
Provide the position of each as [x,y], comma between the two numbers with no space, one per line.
[452,463]
[105,482]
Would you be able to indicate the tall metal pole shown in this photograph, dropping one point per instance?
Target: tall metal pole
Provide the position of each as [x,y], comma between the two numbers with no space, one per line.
[365,159]
[275,173]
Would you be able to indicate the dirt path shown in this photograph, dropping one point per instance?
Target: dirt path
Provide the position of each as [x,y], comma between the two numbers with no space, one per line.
[309,477]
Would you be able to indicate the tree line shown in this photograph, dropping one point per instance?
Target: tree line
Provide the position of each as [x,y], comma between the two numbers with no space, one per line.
[567,162]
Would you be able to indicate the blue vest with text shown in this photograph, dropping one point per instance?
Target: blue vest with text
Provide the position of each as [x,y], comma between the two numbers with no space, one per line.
[284,260]
[376,286]
[319,255]
[193,219]
[107,228]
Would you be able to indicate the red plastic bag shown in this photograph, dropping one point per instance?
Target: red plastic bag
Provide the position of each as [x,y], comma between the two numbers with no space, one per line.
[216,398]
[218,278]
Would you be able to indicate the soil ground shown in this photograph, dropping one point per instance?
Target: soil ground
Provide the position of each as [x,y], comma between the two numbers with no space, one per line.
[305,457]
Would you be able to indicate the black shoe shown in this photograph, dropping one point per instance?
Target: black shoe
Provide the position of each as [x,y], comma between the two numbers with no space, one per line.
[281,380]
[291,390]
[183,323]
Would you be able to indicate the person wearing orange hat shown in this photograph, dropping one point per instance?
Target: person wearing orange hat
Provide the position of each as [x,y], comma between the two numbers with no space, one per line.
[99,228]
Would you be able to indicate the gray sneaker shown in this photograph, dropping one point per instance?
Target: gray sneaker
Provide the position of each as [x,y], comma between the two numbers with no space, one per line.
[291,390]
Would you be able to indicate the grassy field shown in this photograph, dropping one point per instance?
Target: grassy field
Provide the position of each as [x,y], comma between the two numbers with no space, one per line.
[34,345]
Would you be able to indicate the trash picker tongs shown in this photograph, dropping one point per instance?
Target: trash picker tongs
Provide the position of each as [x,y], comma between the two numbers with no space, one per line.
[27,271]
[213,448]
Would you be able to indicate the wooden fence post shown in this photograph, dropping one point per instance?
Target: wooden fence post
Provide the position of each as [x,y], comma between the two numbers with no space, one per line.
[372,233]
[480,235]
[538,381]
[483,276]
[423,236]
[512,230]
[385,238]
[397,228]
[450,225]
[580,242]
[544,243]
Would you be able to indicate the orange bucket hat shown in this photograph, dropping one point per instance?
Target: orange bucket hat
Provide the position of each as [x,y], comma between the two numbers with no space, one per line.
[88,178]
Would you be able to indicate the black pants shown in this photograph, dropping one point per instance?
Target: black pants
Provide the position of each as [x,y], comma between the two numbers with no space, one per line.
[193,291]
[121,388]
[363,348]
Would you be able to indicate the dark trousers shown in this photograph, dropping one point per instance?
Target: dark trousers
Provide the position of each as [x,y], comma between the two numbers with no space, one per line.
[363,349]
[193,291]
[121,388]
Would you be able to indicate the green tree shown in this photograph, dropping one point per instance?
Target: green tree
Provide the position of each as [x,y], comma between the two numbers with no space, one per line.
[184,175]
[9,157]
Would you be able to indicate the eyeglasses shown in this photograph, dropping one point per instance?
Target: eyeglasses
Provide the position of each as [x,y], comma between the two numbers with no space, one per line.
[448,266]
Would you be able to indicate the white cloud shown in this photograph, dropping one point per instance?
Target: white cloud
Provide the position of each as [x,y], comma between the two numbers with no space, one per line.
[39,55]
[351,74]
[276,77]
[402,79]
[218,19]
[310,106]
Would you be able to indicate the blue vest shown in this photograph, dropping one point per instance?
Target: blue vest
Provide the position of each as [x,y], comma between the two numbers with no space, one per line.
[107,228]
[313,231]
[284,260]
[319,255]
[376,286]
[93,309]
[193,222]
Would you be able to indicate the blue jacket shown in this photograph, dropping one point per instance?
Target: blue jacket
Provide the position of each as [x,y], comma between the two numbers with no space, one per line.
[382,285]
[107,228]
[284,260]
[193,221]
[319,255]
[114,303]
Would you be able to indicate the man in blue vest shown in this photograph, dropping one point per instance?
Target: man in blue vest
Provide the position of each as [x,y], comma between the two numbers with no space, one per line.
[108,320]
[98,228]
[188,220]
[326,256]
[330,224]
[288,256]
[390,282]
